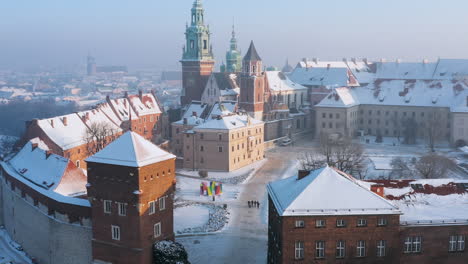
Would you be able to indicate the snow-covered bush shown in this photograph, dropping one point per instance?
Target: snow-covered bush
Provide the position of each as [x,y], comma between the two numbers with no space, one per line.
[169,252]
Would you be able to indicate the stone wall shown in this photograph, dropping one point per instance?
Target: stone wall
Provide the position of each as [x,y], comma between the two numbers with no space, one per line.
[46,236]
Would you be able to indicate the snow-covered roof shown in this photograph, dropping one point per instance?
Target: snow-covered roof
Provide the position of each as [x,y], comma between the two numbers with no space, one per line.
[318,76]
[97,116]
[451,68]
[278,82]
[66,131]
[145,105]
[193,113]
[436,93]
[427,201]
[122,109]
[222,108]
[399,70]
[228,122]
[48,173]
[130,150]
[325,191]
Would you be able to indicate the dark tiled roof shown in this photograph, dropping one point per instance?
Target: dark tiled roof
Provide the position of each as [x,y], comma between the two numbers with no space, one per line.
[252,54]
[224,81]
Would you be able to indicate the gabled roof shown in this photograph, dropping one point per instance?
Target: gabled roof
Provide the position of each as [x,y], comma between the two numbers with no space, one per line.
[252,54]
[326,192]
[130,150]
[278,82]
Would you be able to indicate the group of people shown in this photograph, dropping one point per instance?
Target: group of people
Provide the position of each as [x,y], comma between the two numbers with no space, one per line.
[253,204]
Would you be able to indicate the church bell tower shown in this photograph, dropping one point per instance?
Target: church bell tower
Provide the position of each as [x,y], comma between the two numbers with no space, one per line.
[197,59]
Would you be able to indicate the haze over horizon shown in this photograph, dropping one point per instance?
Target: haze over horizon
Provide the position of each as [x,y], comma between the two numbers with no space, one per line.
[151,33]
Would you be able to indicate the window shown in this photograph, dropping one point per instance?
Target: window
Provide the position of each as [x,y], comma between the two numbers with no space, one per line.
[324,115]
[381,245]
[457,243]
[299,250]
[300,223]
[382,222]
[340,249]
[340,223]
[220,149]
[361,249]
[122,209]
[77,163]
[320,249]
[115,232]
[107,206]
[151,119]
[362,222]
[201,148]
[202,136]
[157,229]
[220,137]
[412,244]
[320,223]
[205,46]
[152,207]
[162,203]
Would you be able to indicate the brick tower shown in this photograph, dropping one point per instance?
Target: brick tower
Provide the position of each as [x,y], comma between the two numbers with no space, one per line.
[130,188]
[197,59]
[252,84]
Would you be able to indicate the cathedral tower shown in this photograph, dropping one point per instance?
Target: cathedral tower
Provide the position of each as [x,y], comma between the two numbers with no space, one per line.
[197,59]
[233,55]
[252,84]
[131,190]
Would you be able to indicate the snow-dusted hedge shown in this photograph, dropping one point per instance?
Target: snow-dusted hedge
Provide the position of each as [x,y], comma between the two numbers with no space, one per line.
[169,252]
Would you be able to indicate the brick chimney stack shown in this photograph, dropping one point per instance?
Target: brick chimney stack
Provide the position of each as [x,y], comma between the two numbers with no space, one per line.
[34,146]
[52,122]
[378,189]
[65,121]
[140,94]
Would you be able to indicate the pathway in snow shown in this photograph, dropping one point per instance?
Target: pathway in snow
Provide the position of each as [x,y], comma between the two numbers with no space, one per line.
[244,240]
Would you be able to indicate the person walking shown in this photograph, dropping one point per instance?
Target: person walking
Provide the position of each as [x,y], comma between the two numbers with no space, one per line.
[258,204]
[248,203]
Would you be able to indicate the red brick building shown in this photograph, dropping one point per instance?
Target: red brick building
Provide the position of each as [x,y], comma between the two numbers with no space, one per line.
[130,186]
[66,135]
[326,216]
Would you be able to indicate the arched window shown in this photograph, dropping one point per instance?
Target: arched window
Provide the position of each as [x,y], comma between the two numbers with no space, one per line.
[205,46]
[78,163]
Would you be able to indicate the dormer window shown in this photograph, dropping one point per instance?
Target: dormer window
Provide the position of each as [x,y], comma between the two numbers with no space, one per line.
[205,46]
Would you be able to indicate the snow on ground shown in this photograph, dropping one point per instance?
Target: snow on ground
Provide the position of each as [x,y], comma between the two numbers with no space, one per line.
[436,208]
[189,189]
[381,163]
[234,177]
[191,216]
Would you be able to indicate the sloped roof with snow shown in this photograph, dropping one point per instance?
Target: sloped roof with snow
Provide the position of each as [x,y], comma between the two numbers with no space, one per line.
[398,70]
[318,76]
[68,135]
[97,116]
[193,114]
[49,174]
[278,82]
[427,201]
[222,108]
[228,122]
[451,68]
[145,105]
[123,109]
[326,192]
[130,150]
[435,93]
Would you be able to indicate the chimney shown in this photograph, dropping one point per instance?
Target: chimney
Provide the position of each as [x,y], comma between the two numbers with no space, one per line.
[365,60]
[65,121]
[194,114]
[398,61]
[345,60]
[382,60]
[302,174]
[378,189]
[34,146]
[125,103]
[425,61]
[140,94]
[185,121]
[52,122]
[108,98]
[328,66]
[353,60]
[315,60]
[48,153]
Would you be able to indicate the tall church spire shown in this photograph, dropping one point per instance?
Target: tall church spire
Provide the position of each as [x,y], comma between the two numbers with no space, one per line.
[233,56]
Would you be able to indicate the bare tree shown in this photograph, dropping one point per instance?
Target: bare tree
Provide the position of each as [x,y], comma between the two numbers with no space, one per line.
[342,154]
[7,145]
[435,128]
[97,136]
[433,166]
[400,168]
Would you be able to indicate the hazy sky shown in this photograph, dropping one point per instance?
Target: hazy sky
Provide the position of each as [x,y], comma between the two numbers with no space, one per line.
[143,33]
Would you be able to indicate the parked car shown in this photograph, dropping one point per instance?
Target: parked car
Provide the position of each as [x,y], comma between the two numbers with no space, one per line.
[286,142]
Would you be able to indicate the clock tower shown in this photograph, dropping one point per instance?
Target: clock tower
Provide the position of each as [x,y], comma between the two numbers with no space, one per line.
[197,59]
